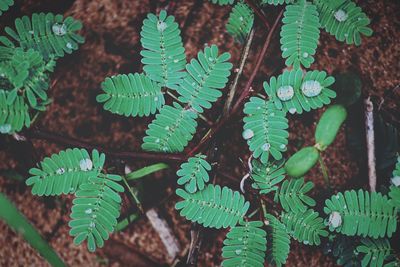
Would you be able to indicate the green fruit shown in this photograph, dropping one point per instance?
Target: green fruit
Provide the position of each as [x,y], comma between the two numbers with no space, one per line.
[302,161]
[329,125]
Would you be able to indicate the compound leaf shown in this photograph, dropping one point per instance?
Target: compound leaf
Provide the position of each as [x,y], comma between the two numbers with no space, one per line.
[213,207]
[245,245]
[64,172]
[131,95]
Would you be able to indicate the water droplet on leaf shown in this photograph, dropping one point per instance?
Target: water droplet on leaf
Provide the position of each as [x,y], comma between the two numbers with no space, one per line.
[5,128]
[266,147]
[247,134]
[86,164]
[311,88]
[341,15]
[285,93]
[161,26]
[59,29]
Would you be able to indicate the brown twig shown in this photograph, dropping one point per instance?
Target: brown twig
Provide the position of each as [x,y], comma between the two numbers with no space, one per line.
[243,96]
[370,133]
[72,142]
[259,13]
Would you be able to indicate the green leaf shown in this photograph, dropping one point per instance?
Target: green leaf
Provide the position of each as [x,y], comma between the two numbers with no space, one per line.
[213,207]
[292,195]
[300,34]
[265,129]
[306,227]
[245,245]
[222,2]
[5,5]
[279,240]
[125,222]
[240,22]
[267,176]
[294,91]
[171,130]
[163,54]
[63,173]
[49,34]
[15,116]
[276,2]
[146,171]
[374,251]
[95,210]
[131,95]
[10,214]
[194,173]
[361,213]
[206,76]
[346,21]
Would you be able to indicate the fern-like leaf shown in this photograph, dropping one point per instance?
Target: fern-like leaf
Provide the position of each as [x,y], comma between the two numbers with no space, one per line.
[15,116]
[394,192]
[51,35]
[222,2]
[5,5]
[64,172]
[131,95]
[292,195]
[194,173]
[240,22]
[171,130]
[361,213]
[27,73]
[267,176]
[300,34]
[276,2]
[213,207]
[374,251]
[294,93]
[265,129]
[95,210]
[279,240]
[206,75]
[163,54]
[245,245]
[346,21]
[306,227]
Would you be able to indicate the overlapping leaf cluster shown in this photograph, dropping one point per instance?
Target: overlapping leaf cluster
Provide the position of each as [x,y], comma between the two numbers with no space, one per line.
[27,56]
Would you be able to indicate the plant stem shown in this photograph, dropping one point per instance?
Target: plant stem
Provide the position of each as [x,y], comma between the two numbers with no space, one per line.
[72,142]
[369,128]
[324,171]
[243,58]
[135,198]
[259,13]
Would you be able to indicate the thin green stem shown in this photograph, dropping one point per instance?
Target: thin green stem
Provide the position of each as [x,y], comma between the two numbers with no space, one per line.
[324,171]
[135,198]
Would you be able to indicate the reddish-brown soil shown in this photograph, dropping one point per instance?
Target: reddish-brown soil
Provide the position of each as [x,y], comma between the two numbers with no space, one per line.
[111,29]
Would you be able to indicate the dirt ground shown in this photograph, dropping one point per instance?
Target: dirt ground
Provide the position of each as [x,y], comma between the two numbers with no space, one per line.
[111,30]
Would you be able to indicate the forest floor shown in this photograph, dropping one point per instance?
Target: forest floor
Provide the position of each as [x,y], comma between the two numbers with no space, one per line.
[112,46]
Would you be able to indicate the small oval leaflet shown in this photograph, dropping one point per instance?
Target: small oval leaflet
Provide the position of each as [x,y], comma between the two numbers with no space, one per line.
[311,88]
[340,15]
[247,134]
[285,93]
[335,219]
[86,164]
[396,181]
[59,29]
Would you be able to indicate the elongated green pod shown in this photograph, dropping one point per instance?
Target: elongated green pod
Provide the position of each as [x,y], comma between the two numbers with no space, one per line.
[302,161]
[328,126]
[10,214]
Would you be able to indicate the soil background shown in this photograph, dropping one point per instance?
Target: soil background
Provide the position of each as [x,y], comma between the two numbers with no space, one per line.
[112,46]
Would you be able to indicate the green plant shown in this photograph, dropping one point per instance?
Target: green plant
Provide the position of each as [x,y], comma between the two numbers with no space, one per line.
[194,87]
[28,56]
[11,215]
[5,5]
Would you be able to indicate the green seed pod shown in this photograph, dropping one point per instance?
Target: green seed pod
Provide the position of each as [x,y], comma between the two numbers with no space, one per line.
[329,125]
[302,161]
